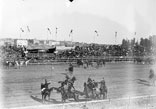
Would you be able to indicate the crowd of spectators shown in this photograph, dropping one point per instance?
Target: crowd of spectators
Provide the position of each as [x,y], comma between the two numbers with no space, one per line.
[127,48]
[146,47]
[12,53]
[92,50]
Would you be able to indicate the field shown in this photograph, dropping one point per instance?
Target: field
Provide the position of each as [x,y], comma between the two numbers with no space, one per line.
[21,87]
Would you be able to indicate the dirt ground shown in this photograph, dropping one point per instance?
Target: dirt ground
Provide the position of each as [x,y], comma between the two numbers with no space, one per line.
[21,87]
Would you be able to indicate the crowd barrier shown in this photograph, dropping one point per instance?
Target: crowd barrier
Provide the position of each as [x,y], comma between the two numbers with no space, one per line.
[136,102]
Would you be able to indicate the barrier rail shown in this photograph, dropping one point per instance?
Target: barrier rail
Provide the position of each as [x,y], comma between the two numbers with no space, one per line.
[109,103]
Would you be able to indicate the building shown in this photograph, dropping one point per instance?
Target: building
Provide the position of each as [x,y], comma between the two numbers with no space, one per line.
[7,42]
[21,42]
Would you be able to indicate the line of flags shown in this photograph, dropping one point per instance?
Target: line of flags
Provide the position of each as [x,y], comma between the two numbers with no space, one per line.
[22,30]
[71,31]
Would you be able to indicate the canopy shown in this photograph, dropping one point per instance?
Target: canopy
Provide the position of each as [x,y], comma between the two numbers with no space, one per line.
[41,48]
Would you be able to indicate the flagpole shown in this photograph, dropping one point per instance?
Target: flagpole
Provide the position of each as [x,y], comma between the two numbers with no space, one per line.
[95,34]
[56,34]
[71,35]
[115,37]
[20,34]
[94,39]
[28,33]
[47,35]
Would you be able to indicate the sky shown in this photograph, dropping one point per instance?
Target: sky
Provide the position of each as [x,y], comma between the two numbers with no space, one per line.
[82,16]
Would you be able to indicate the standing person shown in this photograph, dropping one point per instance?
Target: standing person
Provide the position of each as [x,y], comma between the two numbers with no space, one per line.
[103,81]
[152,77]
[71,68]
[151,74]
[70,71]
[46,84]
[103,85]
[70,78]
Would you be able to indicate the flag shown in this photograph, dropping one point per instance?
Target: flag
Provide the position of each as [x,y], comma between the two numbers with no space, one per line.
[96,32]
[28,28]
[116,34]
[71,32]
[22,30]
[49,30]
[56,30]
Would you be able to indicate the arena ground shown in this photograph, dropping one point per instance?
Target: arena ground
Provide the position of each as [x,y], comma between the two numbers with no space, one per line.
[21,87]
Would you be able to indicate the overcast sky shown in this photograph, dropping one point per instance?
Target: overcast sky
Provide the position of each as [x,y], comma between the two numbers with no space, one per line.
[83,16]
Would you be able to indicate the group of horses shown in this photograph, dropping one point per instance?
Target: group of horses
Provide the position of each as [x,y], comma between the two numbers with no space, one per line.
[67,90]
[15,63]
[88,62]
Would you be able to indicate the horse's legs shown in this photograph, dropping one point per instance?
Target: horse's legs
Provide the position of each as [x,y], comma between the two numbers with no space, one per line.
[49,96]
[75,96]
[105,95]
[43,98]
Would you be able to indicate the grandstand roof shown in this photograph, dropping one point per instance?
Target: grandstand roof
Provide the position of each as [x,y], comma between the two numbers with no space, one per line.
[39,47]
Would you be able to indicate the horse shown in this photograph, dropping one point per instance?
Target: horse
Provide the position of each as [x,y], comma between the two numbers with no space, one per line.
[58,89]
[66,90]
[103,91]
[90,91]
[66,94]
[45,92]
[87,63]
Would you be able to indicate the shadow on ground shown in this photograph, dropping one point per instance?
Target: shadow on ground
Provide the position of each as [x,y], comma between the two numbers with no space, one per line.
[144,82]
[54,101]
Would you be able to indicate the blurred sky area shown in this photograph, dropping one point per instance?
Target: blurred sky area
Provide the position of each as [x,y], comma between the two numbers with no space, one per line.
[83,16]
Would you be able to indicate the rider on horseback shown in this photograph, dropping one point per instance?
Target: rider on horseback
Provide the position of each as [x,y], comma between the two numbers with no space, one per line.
[44,86]
[69,81]
[103,81]
[103,85]
[90,83]
[89,80]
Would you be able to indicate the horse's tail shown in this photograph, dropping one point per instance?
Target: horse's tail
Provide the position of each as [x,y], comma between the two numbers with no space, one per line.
[55,88]
[51,89]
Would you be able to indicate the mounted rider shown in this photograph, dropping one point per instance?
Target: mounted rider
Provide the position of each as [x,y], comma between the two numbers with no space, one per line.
[70,78]
[90,83]
[44,86]
[103,84]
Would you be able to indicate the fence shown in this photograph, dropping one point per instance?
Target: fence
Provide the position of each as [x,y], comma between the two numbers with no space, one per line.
[137,102]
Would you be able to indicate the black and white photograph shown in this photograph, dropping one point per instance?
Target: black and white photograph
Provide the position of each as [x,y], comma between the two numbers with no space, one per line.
[77,54]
